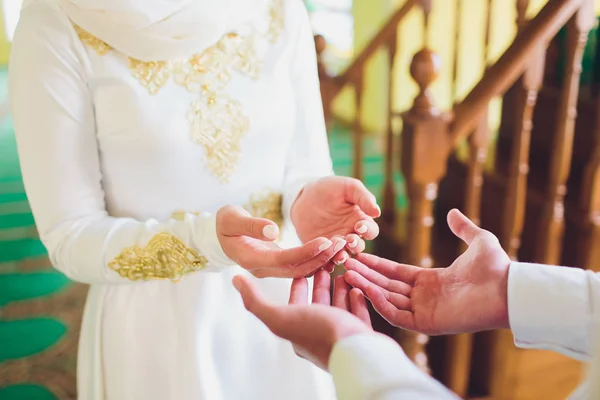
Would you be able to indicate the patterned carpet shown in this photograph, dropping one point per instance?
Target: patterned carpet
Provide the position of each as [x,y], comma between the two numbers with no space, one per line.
[40,310]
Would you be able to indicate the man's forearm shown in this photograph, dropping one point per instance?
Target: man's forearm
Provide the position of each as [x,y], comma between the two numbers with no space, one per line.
[552,308]
[374,367]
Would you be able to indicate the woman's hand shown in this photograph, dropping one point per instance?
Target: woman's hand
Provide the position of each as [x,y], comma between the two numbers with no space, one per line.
[337,207]
[249,242]
[468,296]
[312,329]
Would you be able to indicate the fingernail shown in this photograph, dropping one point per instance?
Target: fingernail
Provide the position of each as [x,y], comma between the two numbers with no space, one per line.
[339,245]
[353,243]
[270,231]
[325,245]
[343,260]
[378,209]
[361,229]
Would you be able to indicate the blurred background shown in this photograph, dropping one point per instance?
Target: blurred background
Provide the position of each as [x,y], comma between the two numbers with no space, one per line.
[434,105]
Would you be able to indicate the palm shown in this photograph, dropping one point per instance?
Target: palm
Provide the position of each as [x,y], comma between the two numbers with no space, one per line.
[468,296]
[333,206]
[454,299]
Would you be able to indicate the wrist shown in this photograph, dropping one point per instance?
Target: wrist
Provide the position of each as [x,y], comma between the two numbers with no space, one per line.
[500,280]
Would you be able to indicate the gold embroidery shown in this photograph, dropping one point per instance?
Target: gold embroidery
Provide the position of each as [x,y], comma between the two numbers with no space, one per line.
[152,75]
[98,45]
[164,257]
[218,124]
[217,121]
[276,14]
[266,204]
[180,215]
[263,204]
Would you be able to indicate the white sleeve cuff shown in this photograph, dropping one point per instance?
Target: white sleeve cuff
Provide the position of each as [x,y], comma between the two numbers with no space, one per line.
[207,241]
[373,366]
[549,308]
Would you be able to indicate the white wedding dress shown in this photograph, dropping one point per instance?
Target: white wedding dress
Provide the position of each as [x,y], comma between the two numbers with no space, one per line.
[125,163]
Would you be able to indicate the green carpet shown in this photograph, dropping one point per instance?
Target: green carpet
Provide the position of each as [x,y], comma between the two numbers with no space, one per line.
[40,309]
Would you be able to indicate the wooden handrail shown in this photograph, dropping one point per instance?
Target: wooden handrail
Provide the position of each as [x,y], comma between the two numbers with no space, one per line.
[512,64]
[389,29]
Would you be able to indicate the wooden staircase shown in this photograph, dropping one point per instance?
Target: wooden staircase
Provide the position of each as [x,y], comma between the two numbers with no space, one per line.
[540,196]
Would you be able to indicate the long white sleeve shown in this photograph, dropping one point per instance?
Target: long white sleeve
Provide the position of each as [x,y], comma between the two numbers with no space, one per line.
[374,367]
[55,126]
[553,308]
[308,157]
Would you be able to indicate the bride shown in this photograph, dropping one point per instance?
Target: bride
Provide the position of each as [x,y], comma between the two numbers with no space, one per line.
[167,146]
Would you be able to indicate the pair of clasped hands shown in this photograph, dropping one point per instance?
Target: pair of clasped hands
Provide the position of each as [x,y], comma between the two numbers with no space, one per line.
[468,296]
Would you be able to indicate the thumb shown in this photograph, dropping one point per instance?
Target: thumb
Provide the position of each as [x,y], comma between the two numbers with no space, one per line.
[462,226]
[357,193]
[257,304]
[236,221]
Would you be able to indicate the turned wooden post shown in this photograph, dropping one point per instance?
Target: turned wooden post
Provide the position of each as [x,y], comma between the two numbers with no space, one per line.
[327,81]
[357,131]
[458,357]
[389,192]
[550,231]
[588,249]
[425,149]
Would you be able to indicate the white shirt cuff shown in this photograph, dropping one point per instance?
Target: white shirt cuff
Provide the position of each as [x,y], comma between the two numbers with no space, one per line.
[549,308]
[207,241]
[373,366]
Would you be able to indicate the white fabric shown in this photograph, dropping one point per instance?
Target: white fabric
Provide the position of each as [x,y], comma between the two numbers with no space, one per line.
[555,308]
[105,164]
[374,367]
[163,29]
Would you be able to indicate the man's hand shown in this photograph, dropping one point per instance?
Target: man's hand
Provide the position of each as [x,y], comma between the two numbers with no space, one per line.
[337,207]
[249,241]
[312,329]
[468,296]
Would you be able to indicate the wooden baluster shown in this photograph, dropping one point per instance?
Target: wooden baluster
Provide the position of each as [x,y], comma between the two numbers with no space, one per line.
[458,360]
[551,225]
[522,6]
[516,189]
[426,7]
[325,79]
[457,37]
[357,127]
[425,150]
[389,195]
[589,251]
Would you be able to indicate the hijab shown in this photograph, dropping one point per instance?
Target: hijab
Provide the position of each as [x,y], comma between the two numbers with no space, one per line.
[155,30]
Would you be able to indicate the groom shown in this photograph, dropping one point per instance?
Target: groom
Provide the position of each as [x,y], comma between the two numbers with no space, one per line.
[546,307]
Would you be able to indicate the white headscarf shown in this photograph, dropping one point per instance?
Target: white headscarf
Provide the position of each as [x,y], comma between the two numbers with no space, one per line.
[155,30]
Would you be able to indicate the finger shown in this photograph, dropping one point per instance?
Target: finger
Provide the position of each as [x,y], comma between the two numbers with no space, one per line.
[399,301]
[288,258]
[299,291]
[358,306]
[316,263]
[357,193]
[462,226]
[321,288]
[340,293]
[393,270]
[236,221]
[284,268]
[340,258]
[378,279]
[256,303]
[399,318]
[367,228]
[355,244]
